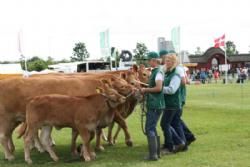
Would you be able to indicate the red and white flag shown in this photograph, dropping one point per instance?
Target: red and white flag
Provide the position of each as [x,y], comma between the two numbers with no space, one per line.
[219,42]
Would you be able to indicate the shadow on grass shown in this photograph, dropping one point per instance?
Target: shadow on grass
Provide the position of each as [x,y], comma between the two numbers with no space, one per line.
[118,154]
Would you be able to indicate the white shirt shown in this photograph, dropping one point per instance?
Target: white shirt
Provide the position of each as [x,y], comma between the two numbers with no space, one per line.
[181,71]
[159,77]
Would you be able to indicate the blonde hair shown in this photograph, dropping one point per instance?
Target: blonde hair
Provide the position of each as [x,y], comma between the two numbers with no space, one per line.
[173,58]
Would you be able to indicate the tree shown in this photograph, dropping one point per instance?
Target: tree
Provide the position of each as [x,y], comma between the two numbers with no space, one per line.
[231,48]
[80,52]
[140,52]
[35,64]
[50,61]
[198,51]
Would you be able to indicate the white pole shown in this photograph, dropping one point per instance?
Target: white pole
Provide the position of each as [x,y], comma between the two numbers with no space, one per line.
[225,62]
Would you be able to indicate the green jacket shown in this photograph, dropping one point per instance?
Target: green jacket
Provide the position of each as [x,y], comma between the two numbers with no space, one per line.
[155,100]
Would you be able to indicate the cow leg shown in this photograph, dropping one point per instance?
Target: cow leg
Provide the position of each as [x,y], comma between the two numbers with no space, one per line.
[46,144]
[117,133]
[99,147]
[73,142]
[85,135]
[11,145]
[121,122]
[45,135]
[38,144]
[4,139]
[6,130]
[91,152]
[28,139]
[104,137]
[110,139]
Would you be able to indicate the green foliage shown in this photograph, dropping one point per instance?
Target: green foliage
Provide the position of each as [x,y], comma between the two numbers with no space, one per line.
[231,48]
[80,52]
[35,64]
[140,52]
[50,61]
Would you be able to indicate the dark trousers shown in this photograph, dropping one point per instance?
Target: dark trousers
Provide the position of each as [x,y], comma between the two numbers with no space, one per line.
[171,117]
[152,118]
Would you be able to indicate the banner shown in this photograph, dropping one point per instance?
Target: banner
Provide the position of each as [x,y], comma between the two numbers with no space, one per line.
[175,37]
[104,43]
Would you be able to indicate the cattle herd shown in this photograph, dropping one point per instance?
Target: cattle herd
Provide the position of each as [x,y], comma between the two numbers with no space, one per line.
[84,102]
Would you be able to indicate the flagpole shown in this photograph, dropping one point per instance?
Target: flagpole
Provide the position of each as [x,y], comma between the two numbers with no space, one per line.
[21,53]
[225,61]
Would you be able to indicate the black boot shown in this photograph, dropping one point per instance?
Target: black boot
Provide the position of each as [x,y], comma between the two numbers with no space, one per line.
[152,148]
[158,147]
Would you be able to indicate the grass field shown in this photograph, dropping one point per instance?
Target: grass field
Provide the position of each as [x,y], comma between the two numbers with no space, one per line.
[218,114]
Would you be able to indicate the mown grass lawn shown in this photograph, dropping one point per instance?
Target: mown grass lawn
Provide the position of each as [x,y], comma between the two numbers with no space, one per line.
[218,114]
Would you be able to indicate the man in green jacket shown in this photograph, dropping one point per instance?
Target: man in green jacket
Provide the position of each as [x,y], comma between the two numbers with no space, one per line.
[155,105]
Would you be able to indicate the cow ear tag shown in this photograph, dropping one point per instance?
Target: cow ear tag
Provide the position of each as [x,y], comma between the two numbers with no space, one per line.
[98,90]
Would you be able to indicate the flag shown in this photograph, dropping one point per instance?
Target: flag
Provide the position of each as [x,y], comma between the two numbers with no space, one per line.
[219,42]
[175,37]
[104,43]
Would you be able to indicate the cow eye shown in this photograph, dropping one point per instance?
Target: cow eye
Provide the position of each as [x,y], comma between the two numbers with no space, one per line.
[144,75]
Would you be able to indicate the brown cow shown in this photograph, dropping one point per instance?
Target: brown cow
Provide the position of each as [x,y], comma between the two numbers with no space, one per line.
[15,93]
[83,114]
[130,103]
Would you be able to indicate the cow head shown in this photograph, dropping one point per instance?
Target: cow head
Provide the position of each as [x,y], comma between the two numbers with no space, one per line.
[118,84]
[143,75]
[131,77]
[113,97]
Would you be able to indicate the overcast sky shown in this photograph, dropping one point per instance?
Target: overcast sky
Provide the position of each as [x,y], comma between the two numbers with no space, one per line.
[51,27]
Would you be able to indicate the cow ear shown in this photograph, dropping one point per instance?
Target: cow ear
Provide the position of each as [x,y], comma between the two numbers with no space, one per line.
[99,90]
[106,81]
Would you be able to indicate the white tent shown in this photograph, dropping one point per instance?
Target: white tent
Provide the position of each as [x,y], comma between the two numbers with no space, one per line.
[11,69]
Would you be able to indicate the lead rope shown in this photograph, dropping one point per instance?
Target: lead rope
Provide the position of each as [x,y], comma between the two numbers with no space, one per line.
[143,114]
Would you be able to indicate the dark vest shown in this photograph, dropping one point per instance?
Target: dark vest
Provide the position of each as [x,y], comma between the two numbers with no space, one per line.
[155,100]
[172,101]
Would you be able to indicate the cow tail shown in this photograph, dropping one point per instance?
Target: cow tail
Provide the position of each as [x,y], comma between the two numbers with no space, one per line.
[21,131]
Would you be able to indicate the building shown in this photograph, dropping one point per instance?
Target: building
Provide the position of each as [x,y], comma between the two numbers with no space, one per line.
[214,57]
[164,45]
[11,69]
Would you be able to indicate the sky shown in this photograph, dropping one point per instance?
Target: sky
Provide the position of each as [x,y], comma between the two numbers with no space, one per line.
[52,27]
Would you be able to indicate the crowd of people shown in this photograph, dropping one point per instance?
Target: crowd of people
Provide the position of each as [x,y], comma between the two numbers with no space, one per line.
[238,75]
[166,96]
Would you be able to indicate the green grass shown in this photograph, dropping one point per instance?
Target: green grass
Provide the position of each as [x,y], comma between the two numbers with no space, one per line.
[219,115]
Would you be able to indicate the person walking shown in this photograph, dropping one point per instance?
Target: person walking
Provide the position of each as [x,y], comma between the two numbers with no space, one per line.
[172,112]
[155,104]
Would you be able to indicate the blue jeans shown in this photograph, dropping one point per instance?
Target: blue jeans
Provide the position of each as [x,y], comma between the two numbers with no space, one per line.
[152,118]
[170,123]
[177,124]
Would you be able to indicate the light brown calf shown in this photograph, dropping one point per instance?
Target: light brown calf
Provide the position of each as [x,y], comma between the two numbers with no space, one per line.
[83,114]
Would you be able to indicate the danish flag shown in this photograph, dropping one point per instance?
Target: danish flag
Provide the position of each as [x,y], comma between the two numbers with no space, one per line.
[219,42]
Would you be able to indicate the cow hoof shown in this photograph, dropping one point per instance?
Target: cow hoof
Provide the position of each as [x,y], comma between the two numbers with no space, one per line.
[29,161]
[56,159]
[99,149]
[10,158]
[129,143]
[111,143]
[87,159]
[93,155]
